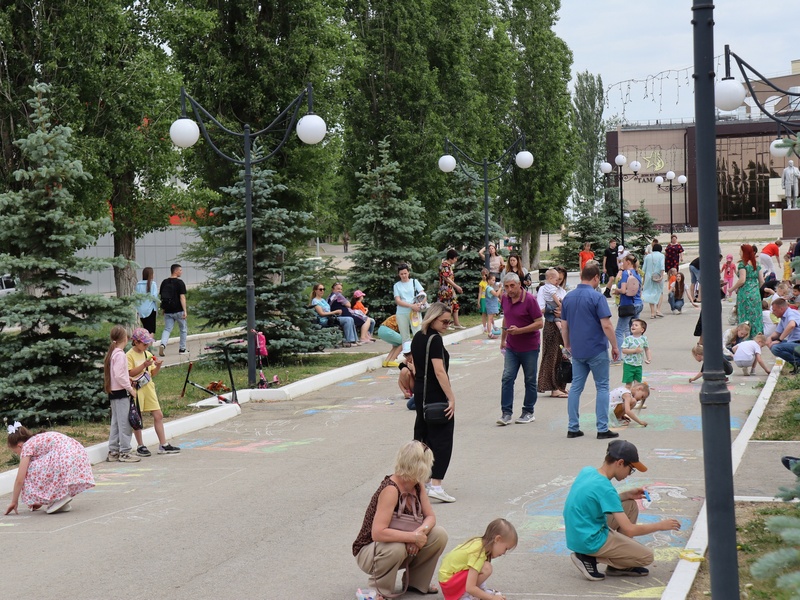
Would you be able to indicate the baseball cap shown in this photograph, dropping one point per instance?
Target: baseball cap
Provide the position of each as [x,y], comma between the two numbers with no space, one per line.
[140,334]
[622,449]
[358,294]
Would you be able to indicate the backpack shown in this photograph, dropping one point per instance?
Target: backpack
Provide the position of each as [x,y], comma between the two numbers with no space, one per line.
[632,285]
[170,302]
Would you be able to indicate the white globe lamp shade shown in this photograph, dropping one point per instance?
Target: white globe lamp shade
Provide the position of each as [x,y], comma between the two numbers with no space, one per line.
[670,175]
[311,129]
[682,179]
[620,160]
[636,166]
[605,167]
[447,163]
[184,133]
[524,159]
[776,150]
[659,180]
[729,94]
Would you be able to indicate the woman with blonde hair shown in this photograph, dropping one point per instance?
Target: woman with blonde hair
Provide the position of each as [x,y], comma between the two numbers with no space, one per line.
[382,550]
[432,385]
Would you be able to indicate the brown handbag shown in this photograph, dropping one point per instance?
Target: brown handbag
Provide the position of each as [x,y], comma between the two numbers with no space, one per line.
[404,521]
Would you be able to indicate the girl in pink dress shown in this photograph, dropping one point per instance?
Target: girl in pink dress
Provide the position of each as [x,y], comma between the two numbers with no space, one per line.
[728,272]
[53,468]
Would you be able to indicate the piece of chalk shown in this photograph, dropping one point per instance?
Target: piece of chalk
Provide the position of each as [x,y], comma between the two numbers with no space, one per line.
[647,496]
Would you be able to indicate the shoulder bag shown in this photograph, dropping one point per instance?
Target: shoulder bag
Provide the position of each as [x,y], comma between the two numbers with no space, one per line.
[403,521]
[434,411]
[657,277]
[135,415]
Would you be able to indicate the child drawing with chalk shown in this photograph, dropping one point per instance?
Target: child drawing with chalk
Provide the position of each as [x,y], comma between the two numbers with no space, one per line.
[466,568]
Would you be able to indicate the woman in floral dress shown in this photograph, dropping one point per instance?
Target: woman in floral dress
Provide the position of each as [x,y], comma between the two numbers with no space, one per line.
[747,288]
[53,468]
[448,288]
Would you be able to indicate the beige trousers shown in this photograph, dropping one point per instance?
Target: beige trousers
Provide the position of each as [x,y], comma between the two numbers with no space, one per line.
[382,560]
[620,551]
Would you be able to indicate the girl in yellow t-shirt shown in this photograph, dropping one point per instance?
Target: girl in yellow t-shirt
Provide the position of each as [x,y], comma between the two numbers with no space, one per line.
[466,568]
[482,299]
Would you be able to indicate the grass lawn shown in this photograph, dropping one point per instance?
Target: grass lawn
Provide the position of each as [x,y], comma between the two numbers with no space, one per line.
[169,384]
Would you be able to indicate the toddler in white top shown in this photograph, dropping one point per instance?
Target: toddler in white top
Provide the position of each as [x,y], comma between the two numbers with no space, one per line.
[552,294]
[748,353]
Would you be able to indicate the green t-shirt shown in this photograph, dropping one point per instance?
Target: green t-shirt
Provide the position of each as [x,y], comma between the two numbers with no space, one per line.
[469,555]
[590,499]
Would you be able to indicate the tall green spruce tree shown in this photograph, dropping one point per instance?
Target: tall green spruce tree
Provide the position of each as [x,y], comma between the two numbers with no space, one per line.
[389,229]
[50,370]
[643,230]
[464,230]
[280,276]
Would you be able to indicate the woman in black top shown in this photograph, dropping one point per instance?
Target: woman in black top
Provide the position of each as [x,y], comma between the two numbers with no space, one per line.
[439,438]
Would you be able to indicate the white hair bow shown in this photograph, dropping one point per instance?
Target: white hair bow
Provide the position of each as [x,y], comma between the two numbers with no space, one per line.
[13,428]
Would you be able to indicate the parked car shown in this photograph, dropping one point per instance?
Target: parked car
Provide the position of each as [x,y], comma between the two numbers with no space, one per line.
[7,285]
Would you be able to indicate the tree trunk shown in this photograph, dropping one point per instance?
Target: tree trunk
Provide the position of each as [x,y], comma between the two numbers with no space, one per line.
[125,277]
[535,247]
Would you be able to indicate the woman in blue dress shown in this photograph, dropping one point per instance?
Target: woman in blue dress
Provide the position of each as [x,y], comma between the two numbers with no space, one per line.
[653,288]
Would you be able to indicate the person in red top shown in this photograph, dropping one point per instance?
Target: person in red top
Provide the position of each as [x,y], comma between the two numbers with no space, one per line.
[586,254]
[766,254]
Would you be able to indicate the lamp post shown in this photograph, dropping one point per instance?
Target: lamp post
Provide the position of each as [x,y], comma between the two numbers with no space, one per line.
[619,162]
[448,163]
[659,181]
[311,129]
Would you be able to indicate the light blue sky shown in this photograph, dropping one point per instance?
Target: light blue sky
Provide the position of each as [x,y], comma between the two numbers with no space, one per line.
[639,39]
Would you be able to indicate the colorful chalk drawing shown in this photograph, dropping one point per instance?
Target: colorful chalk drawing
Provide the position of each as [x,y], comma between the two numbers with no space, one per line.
[255,447]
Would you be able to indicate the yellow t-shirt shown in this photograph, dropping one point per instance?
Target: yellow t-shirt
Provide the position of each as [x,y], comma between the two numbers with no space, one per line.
[482,289]
[147,397]
[469,555]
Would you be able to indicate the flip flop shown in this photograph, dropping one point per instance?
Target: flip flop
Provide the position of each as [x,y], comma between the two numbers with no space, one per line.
[561,395]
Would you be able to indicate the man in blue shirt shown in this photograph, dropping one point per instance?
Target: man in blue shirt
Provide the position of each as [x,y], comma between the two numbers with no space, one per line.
[600,523]
[586,330]
[786,337]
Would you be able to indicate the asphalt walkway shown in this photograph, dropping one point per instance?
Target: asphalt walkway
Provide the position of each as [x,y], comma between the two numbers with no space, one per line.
[267,504]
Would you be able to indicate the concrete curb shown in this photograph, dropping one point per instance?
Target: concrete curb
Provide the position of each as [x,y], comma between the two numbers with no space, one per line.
[334,376]
[98,452]
[680,584]
[203,336]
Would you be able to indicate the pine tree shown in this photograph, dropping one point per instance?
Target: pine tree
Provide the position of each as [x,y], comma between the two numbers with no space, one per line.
[643,230]
[464,230]
[50,371]
[588,224]
[389,228]
[279,273]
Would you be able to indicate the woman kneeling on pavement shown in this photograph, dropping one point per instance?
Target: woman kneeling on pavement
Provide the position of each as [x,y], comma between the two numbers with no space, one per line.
[382,550]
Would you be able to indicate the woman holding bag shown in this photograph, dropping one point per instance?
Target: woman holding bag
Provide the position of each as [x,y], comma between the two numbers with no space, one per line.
[432,387]
[630,298]
[381,549]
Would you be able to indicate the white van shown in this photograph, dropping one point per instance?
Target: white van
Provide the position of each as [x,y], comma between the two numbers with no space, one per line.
[7,285]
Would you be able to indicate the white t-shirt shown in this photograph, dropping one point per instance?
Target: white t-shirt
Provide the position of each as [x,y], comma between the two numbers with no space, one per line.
[746,351]
[615,397]
[769,325]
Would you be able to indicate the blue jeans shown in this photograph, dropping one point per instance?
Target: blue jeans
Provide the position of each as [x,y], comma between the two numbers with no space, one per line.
[513,361]
[624,325]
[673,303]
[786,351]
[169,322]
[598,365]
[349,329]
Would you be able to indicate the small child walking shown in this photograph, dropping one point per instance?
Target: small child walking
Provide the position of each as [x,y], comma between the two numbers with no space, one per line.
[142,367]
[492,305]
[622,400]
[482,299]
[406,378]
[117,384]
[635,351]
[466,568]
[747,354]
[728,272]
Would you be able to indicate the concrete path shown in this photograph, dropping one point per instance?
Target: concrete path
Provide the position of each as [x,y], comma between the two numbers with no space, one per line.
[266,505]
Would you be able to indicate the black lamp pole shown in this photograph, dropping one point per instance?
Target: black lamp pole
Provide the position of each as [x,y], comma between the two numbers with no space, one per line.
[715,398]
[681,185]
[606,168]
[453,155]
[282,125]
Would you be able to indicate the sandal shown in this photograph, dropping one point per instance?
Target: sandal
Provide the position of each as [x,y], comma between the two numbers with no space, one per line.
[559,395]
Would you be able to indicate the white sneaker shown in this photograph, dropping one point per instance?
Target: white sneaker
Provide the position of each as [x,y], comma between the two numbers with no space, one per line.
[438,493]
[59,505]
[526,417]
